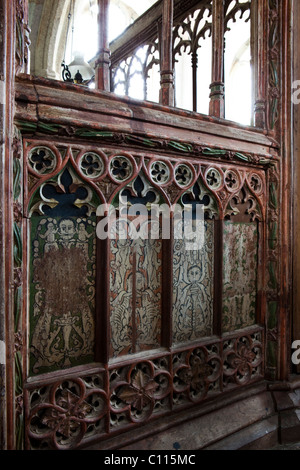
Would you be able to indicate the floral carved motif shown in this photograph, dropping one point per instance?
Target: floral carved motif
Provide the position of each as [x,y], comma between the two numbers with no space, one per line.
[140,392]
[63,412]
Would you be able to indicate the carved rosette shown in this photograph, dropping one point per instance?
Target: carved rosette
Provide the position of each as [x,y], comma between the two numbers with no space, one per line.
[64,414]
[242,359]
[138,393]
[196,374]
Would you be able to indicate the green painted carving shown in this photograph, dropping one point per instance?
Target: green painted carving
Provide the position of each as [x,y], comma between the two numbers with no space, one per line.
[26,126]
[213,152]
[272,314]
[272,354]
[17,245]
[272,275]
[17,306]
[131,139]
[49,128]
[273,232]
[274,112]
[16,178]
[179,146]
[94,133]
[273,196]
[184,147]
[241,156]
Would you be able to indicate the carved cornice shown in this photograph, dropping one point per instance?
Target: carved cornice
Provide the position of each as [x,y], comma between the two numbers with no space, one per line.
[142,142]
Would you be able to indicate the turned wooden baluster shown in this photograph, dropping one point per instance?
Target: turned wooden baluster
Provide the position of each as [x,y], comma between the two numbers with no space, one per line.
[217,94]
[167,72]
[102,65]
[258,53]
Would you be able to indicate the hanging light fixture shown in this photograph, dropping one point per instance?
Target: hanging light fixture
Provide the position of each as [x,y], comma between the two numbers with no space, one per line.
[79,69]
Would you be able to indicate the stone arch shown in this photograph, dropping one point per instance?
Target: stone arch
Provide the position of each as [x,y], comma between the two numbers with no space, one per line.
[49,38]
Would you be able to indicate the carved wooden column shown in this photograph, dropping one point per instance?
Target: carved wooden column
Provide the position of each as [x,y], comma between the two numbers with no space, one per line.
[194,68]
[258,53]
[9,56]
[102,345]
[296,173]
[167,285]
[167,73]
[217,103]
[283,107]
[102,65]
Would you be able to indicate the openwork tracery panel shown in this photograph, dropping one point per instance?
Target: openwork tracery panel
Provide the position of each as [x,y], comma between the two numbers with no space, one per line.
[77,410]
[162,298]
[192,35]
[135,75]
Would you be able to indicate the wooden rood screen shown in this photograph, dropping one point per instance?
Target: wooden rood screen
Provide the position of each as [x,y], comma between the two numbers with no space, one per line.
[124,330]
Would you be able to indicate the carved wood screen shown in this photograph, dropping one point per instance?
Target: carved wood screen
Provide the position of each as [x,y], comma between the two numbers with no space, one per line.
[106,302]
[118,333]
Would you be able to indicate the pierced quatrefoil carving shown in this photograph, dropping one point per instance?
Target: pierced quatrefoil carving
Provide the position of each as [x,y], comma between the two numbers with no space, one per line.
[160,173]
[91,165]
[121,168]
[183,175]
[256,183]
[232,180]
[42,160]
[214,178]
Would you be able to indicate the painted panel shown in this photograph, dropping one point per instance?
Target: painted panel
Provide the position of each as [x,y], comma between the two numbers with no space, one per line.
[135,295]
[193,273]
[239,275]
[62,292]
